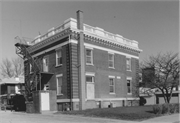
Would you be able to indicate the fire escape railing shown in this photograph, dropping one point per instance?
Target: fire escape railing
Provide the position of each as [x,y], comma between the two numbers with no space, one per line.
[31,79]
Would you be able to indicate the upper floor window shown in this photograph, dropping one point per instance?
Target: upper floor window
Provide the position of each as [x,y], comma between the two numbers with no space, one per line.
[128,64]
[89,56]
[59,57]
[59,84]
[129,90]
[111,60]
[30,68]
[111,85]
[45,64]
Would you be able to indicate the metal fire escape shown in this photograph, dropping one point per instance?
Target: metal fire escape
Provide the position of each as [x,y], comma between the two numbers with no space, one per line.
[31,79]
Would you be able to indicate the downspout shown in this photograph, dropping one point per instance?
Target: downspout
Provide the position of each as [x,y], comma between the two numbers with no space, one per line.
[70,74]
[81,61]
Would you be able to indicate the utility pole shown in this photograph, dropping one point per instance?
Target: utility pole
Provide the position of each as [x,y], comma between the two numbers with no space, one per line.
[81,61]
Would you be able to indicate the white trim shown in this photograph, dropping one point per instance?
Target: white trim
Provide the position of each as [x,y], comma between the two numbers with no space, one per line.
[129,78]
[111,76]
[90,74]
[59,75]
[128,57]
[111,53]
[67,100]
[118,77]
[105,49]
[52,48]
[113,99]
[86,45]
[91,48]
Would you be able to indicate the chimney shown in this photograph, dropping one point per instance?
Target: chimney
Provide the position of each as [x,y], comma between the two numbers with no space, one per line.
[80,20]
[81,61]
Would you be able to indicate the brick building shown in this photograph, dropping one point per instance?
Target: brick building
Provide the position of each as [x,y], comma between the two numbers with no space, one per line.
[110,63]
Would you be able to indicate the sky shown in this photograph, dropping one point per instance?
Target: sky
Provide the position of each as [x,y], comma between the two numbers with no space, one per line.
[154,24]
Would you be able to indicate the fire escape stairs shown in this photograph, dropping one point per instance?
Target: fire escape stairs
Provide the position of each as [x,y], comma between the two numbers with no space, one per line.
[31,78]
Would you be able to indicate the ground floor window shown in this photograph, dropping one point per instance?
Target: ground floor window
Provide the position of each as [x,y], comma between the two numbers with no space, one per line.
[111,84]
[129,89]
[59,84]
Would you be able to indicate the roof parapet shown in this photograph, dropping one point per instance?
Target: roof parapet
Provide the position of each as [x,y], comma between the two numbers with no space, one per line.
[72,23]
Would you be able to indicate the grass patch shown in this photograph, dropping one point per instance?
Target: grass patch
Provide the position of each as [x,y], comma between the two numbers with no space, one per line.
[137,113]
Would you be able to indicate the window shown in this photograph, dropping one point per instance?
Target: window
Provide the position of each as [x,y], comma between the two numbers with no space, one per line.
[30,68]
[59,84]
[89,78]
[129,91]
[111,60]
[89,56]
[128,64]
[111,85]
[59,57]
[45,64]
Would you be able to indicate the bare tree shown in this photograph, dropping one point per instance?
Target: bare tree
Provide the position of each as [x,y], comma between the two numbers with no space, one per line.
[18,66]
[11,68]
[6,68]
[162,72]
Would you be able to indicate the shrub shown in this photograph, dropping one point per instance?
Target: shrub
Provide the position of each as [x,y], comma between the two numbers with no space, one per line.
[157,109]
[166,108]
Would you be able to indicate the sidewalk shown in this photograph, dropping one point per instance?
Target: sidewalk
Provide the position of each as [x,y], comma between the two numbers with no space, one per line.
[174,118]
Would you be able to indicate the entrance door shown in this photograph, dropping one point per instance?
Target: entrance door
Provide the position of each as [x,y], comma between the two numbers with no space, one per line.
[45,101]
[90,87]
[90,90]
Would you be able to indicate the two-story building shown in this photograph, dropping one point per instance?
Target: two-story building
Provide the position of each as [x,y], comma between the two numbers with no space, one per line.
[111,64]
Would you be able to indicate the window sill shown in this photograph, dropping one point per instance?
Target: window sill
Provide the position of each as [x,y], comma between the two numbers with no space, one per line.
[112,93]
[111,67]
[89,64]
[89,99]
[58,65]
[129,93]
[90,82]
[129,70]
[59,94]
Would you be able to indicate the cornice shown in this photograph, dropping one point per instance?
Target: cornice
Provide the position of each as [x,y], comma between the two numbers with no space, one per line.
[74,35]
[49,40]
[100,40]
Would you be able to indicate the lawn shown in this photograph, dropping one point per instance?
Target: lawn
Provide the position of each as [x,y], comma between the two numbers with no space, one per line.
[137,113]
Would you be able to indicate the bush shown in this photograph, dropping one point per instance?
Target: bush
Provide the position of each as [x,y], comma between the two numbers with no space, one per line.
[166,108]
[157,109]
